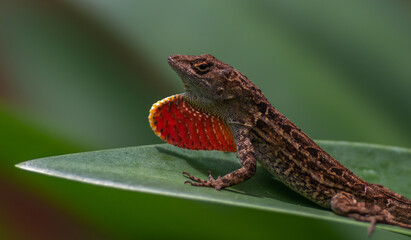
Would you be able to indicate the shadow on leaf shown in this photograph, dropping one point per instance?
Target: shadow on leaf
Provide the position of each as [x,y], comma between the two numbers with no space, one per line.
[262,185]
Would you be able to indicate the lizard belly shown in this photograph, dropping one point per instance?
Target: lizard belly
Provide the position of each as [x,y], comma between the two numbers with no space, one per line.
[278,164]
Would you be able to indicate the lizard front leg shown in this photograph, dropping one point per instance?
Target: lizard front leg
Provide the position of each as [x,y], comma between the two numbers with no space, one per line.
[246,155]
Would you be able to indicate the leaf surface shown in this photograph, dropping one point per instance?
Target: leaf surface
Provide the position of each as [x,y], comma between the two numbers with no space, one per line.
[157,169]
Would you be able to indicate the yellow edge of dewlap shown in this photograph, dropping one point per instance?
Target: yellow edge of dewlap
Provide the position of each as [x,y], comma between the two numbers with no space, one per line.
[153,111]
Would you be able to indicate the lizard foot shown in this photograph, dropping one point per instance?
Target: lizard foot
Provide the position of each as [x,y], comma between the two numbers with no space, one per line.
[345,204]
[213,183]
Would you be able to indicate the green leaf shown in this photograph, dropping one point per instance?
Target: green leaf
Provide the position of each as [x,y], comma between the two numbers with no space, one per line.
[157,169]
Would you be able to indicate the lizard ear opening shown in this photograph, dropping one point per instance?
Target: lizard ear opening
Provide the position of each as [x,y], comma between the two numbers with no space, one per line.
[220,91]
[177,122]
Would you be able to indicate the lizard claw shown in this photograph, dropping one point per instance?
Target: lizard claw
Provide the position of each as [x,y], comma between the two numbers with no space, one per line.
[210,177]
[203,183]
[195,179]
[188,181]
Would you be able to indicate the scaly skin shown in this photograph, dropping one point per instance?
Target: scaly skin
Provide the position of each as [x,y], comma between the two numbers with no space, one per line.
[263,134]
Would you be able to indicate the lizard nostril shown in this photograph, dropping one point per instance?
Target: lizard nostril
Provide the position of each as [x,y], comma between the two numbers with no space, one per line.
[171,58]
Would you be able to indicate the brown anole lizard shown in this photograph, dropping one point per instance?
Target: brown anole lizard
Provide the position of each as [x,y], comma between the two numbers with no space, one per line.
[222,109]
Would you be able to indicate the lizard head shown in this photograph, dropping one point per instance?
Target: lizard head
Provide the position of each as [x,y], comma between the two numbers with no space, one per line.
[203,76]
[215,86]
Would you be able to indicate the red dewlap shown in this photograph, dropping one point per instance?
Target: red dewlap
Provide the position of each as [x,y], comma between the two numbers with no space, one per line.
[175,121]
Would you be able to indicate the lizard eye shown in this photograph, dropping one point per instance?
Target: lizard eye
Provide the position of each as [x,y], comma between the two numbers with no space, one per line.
[202,67]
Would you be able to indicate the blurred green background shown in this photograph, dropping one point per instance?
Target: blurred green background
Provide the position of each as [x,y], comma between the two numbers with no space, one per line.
[81,75]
